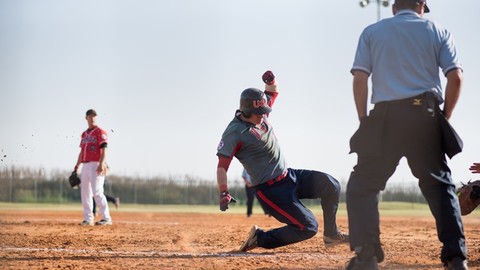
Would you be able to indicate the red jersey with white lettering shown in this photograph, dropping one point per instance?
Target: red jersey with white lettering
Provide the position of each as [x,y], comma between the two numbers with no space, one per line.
[90,144]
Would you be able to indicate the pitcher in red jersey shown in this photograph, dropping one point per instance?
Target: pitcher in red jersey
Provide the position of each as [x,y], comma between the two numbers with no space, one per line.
[92,157]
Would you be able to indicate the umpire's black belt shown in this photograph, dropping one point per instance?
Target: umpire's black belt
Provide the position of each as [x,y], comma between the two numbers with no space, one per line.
[415,101]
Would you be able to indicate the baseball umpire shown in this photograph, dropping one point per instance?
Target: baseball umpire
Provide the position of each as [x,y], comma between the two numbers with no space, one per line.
[250,138]
[404,55]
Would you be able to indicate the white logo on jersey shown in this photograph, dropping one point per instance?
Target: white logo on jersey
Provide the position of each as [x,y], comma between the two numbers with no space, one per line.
[220,145]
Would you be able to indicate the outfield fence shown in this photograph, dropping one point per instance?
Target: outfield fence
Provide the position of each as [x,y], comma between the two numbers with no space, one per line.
[29,185]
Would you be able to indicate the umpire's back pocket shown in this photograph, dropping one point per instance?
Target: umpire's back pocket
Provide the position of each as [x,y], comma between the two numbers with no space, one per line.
[367,140]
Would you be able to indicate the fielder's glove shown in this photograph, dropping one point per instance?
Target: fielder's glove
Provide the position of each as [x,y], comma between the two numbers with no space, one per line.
[469,196]
[74,180]
[225,199]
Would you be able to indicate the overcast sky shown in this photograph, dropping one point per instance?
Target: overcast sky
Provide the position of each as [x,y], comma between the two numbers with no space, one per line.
[165,78]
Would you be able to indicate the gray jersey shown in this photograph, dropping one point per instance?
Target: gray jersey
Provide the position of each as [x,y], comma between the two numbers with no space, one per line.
[255,146]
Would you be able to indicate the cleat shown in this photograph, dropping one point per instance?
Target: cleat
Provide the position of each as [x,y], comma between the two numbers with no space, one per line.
[86,223]
[356,264]
[104,222]
[456,263]
[368,257]
[340,238]
[251,241]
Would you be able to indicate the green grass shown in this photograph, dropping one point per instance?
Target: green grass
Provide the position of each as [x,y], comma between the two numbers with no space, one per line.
[141,208]
[403,209]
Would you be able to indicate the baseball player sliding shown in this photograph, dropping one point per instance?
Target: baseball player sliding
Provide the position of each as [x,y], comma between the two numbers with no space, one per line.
[250,138]
[92,157]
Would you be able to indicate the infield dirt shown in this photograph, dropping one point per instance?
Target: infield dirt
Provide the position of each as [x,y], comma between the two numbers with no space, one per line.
[54,240]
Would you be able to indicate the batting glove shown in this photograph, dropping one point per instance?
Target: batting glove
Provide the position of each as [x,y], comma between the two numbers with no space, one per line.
[225,199]
[268,77]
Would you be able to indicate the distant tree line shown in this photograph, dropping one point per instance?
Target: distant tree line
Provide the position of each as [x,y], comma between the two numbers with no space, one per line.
[21,184]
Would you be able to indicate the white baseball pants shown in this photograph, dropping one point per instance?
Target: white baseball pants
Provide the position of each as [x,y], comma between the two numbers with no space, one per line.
[92,186]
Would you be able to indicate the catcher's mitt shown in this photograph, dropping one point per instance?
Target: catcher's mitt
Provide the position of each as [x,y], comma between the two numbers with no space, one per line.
[469,196]
[74,180]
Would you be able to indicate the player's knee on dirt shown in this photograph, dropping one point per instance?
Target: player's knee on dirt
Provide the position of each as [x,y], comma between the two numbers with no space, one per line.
[309,233]
[310,230]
